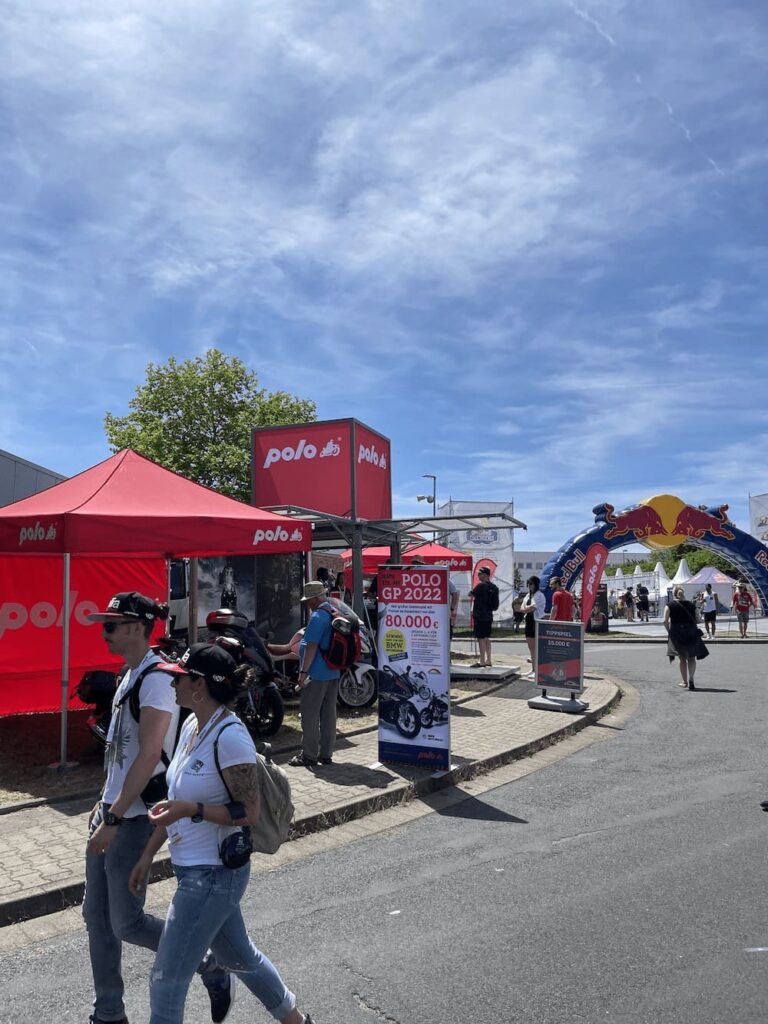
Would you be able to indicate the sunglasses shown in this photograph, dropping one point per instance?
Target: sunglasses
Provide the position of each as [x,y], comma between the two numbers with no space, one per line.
[110,627]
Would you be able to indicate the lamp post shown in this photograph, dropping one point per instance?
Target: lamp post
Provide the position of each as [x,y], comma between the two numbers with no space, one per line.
[433,478]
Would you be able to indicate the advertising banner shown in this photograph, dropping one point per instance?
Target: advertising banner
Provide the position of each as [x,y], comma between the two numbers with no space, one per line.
[414,666]
[493,547]
[31,622]
[594,564]
[758,516]
[560,655]
[340,467]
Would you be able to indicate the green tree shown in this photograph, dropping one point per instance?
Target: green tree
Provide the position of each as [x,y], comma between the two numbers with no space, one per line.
[196,417]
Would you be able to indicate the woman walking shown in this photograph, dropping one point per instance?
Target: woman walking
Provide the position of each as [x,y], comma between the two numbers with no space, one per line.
[680,624]
[212,792]
[533,607]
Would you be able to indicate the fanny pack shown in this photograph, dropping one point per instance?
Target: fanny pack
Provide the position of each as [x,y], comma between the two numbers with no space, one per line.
[236,849]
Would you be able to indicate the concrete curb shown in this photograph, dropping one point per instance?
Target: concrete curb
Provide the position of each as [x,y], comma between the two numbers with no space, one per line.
[49,901]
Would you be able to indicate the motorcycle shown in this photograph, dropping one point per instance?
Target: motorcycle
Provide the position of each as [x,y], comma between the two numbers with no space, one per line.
[436,712]
[396,700]
[258,704]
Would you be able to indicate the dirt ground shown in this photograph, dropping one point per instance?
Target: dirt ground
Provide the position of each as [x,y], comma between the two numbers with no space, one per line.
[30,744]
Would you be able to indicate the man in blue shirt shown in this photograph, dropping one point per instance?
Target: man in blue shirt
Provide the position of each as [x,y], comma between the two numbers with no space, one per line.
[319,684]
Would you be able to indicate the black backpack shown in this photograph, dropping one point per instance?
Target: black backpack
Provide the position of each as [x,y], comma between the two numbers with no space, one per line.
[157,787]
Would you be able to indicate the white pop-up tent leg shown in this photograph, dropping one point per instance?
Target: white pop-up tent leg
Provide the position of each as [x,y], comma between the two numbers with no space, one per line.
[62,764]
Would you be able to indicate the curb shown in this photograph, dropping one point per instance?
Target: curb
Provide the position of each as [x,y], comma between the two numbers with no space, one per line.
[52,901]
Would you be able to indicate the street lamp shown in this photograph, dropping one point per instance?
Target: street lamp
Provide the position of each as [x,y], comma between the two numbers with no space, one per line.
[430,498]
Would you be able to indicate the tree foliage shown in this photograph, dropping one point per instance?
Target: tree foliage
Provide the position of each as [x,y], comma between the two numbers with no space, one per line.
[196,417]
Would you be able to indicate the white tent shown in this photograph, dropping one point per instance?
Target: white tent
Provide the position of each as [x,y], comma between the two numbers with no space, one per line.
[619,575]
[722,585]
[638,571]
[661,573]
[683,573]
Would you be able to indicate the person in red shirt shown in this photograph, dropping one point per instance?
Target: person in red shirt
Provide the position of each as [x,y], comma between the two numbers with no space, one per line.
[742,602]
[562,601]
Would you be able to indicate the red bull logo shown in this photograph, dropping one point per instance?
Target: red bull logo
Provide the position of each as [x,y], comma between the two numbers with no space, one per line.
[695,522]
[664,521]
[643,521]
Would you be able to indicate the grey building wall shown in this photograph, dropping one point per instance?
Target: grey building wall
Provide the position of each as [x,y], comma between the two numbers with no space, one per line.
[19,478]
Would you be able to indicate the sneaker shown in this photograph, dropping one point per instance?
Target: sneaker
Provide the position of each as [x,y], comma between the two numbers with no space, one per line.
[326,760]
[300,761]
[93,1019]
[221,991]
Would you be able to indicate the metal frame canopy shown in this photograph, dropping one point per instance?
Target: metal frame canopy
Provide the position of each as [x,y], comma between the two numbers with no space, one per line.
[330,531]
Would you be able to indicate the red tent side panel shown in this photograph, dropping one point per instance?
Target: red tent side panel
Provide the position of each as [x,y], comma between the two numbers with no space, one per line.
[31,621]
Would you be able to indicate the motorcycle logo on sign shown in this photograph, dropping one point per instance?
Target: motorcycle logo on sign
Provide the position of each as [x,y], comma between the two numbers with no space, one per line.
[303,450]
[278,534]
[370,455]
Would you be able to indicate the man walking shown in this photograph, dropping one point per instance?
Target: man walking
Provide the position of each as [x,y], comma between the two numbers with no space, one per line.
[709,608]
[318,682]
[119,824]
[742,602]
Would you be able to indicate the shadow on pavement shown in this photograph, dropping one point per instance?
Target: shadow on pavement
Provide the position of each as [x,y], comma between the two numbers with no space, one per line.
[343,774]
[473,809]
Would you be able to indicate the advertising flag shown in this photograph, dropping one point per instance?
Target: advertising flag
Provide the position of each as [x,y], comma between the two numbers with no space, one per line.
[594,564]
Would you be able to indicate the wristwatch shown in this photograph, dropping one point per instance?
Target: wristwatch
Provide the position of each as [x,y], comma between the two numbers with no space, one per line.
[110,819]
[197,817]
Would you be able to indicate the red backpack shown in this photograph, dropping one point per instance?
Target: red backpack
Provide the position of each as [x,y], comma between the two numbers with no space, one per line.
[344,647]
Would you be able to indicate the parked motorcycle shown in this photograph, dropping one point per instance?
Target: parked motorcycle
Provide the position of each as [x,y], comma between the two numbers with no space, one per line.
[436,712]
[396,701]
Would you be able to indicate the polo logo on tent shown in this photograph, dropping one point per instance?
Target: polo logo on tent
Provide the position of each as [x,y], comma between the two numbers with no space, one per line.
[36,532]
[365,454]
[43,615]
[303,450]
[270,535]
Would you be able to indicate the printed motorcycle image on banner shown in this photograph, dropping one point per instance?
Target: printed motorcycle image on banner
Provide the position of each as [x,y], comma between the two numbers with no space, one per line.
[414,666]
[560,655]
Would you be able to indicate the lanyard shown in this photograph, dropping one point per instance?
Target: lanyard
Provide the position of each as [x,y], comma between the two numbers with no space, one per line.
[198,739]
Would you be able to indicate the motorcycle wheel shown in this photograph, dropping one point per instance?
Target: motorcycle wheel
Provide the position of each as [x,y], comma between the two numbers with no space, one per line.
[265,716]
[408,722]
[357,693]
[426,718]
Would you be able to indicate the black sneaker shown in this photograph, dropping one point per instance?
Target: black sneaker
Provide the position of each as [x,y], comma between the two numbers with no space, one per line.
[326,760]
[299,761]
[221,991]
[97,1020]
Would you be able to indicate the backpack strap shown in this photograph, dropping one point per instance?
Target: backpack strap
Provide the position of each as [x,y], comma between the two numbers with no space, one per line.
[235,807]
[132,697]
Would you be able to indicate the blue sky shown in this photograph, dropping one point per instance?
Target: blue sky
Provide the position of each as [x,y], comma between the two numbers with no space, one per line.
[526,241]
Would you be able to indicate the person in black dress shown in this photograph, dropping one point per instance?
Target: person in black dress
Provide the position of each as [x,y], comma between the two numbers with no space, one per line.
[680,624]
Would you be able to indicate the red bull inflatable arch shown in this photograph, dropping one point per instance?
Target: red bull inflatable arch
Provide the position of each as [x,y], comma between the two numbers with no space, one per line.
[663,521]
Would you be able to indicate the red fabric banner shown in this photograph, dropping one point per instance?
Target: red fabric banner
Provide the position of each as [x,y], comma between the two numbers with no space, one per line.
[31,621]
[594,564]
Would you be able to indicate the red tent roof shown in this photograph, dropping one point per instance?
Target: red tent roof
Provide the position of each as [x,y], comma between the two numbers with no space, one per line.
[433,554]
[130,504]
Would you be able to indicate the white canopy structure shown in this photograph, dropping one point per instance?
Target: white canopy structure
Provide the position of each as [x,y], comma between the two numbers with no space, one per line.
[638,571]
[683,573]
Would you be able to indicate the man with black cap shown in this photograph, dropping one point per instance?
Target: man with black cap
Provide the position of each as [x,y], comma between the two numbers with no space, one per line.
[140,743]
[485,601]
[318,682]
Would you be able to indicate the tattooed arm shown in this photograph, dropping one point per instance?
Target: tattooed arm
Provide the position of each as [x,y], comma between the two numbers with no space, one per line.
[243,782]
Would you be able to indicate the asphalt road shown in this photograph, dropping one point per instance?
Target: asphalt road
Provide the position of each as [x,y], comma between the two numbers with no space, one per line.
[624,883]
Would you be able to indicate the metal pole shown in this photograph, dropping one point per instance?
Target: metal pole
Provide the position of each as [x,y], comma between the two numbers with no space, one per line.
[63,764]
[358,604]
[192,603]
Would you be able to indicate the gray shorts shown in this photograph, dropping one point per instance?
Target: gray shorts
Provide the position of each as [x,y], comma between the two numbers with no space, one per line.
[742,616]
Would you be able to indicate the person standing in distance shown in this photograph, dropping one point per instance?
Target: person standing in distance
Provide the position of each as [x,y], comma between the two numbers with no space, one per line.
[533,607]
[119,823]
[318,682]
[485,601]
[742,602]
[709,610]
[562,601]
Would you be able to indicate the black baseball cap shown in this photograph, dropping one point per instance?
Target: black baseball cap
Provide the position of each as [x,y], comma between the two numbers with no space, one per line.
[208,660]
[128,605]
[484,570]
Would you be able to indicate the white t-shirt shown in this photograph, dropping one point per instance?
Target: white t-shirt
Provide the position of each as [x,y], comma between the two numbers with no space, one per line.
[192,775]
[709,604]
[123,737]
[536,604]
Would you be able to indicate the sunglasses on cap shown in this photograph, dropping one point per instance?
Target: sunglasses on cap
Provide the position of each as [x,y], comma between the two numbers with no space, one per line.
[110,627]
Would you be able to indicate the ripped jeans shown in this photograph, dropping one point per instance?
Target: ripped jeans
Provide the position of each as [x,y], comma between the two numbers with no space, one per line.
[205,913]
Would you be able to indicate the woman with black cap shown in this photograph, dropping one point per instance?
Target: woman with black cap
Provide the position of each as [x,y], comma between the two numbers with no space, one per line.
[212,794]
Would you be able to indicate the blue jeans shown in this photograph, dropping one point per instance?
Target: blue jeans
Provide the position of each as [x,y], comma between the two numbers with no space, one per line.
[113,914]
[205,913]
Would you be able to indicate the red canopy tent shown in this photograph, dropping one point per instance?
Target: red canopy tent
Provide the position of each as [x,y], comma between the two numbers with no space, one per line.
[130,505]
[433,554]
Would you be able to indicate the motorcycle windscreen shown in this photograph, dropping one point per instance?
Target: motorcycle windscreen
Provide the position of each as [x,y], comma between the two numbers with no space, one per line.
[31,622]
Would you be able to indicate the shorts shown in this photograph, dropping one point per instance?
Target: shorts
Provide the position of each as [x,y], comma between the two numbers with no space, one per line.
[642,604]
[518,617]
[710,616]
[742,616]
[482,627]
[530,626]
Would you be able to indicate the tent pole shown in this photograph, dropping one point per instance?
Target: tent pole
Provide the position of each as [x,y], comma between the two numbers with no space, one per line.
[192,617]
[62,765]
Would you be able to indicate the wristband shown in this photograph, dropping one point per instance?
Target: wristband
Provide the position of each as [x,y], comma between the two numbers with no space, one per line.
[197,817]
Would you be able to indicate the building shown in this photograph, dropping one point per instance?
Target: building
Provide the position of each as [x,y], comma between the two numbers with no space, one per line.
[19,478]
